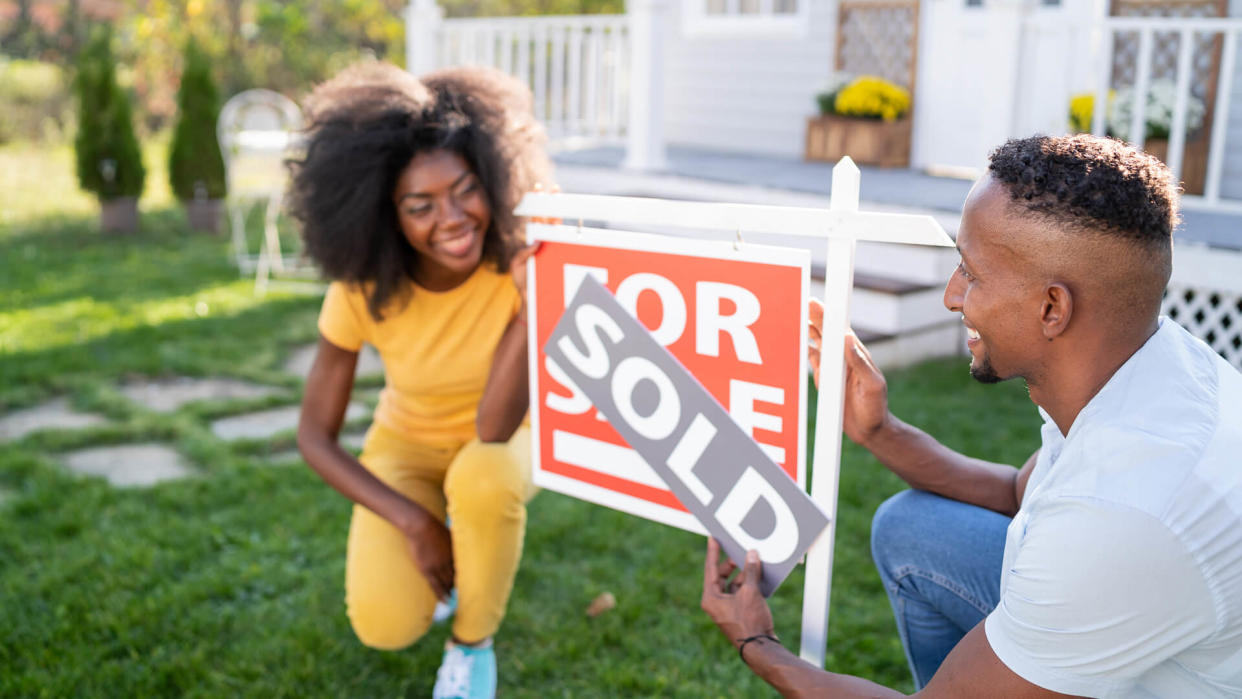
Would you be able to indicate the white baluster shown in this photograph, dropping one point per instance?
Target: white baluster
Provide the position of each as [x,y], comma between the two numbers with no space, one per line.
[574,98]
[540,63]
[489,46]
[592,81]
[1138,115]
[556,106]
[506,49]
[523,56]
[1177,130]
[1220,120]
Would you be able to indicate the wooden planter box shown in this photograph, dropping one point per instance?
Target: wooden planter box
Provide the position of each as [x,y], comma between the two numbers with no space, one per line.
[866,141]
[1194,161]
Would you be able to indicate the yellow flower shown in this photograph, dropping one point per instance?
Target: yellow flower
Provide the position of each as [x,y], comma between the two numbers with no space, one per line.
[1082,110]
[869,96]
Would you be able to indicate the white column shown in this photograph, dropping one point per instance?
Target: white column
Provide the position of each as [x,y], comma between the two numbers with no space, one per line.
[422,24]
[1005,34]
[645,130]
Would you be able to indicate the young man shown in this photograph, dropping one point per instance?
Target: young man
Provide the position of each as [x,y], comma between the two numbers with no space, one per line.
[1120,572]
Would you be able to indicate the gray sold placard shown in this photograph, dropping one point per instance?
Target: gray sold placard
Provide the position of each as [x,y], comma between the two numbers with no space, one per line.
[744,500]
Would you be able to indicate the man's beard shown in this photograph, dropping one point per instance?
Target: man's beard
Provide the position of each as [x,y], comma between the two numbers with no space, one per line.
[984,373]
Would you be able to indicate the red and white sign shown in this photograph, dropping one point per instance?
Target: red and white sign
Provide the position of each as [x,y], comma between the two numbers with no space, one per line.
[733,315]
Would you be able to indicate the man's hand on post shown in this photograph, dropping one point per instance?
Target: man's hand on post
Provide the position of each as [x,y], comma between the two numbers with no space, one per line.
[736,606]
[866,391]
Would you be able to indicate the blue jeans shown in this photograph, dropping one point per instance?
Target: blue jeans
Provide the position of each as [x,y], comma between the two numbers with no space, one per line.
[940,561]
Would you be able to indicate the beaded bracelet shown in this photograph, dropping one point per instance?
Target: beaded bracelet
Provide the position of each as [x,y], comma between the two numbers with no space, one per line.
[742,643]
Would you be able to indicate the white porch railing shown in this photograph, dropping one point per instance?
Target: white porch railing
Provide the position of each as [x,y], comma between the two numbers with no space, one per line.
[1188,30]
[576,66]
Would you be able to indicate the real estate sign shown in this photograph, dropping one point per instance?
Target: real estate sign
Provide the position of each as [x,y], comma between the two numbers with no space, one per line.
[733,316]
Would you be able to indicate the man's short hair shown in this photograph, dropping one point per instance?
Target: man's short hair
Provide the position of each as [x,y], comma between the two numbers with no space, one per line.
[1087,182]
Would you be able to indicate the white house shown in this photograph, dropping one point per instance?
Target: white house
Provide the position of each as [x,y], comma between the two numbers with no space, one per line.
[741,76]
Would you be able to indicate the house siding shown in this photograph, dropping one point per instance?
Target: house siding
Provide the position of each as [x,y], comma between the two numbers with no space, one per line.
[747,94]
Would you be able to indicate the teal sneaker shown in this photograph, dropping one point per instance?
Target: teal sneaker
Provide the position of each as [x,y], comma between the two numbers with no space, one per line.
[466,672]
[445,610]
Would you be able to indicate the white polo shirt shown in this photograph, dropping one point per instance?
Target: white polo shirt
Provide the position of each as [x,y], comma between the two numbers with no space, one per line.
[1122,572]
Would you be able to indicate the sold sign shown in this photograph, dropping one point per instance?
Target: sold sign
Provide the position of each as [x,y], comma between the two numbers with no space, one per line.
[687,438]
[733,315]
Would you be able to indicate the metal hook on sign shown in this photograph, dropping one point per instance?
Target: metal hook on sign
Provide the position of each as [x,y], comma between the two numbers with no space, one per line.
[737,243]
[579,228]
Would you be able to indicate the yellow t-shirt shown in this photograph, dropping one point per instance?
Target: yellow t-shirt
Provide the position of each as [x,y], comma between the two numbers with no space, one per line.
[437,350]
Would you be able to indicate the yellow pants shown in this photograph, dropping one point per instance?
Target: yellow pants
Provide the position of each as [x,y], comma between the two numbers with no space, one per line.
[483,488]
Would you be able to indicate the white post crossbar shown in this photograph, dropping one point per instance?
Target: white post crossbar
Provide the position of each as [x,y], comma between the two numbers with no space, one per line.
[913,229]
[841,226]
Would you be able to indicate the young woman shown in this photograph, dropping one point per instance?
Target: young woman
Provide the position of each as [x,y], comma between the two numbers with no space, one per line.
[405,196]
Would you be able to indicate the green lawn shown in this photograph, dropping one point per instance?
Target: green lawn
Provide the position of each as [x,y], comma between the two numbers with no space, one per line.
[231,584]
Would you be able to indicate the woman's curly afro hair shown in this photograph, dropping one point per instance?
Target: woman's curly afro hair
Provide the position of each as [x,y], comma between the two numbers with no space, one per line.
[365,125]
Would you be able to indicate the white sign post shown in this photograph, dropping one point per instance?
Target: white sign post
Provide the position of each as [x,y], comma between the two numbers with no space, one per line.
[842,226]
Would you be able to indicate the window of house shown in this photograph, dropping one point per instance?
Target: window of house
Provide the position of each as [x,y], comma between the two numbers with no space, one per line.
[744,17]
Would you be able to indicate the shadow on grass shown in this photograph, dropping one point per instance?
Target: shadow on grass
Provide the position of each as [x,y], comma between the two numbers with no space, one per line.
[56,260]
[250,345]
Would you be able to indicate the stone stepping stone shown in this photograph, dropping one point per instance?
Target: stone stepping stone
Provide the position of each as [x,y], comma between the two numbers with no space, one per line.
[54,414]
[352,441]
[269,423]
[369,364]
[166,395]
[129,465]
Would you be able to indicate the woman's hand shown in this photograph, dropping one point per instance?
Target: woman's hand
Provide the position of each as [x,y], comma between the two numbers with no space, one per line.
[518,266]
[518,270]
[431,547]
[866,391]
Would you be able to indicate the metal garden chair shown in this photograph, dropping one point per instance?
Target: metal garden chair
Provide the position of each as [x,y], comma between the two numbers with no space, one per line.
[257,130]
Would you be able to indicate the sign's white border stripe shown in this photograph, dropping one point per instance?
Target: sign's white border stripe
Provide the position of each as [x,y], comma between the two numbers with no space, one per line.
[618,501]
[649,242]
[603,457]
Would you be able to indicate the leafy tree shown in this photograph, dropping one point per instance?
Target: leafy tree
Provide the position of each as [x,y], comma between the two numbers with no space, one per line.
[109,162]
[194,162]
[282,45]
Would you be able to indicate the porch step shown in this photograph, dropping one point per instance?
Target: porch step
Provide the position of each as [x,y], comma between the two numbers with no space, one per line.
[901,322]
[894,351]
[919,264]
[890,305]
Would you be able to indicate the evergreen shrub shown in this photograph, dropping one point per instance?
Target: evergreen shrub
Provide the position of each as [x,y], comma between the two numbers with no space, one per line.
[109,161]
[195,163]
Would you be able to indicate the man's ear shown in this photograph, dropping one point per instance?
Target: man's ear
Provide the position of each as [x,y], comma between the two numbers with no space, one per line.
[1055,310]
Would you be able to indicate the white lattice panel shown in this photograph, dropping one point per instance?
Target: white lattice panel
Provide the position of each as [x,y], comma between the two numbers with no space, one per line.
[878,39]
[1213,316]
